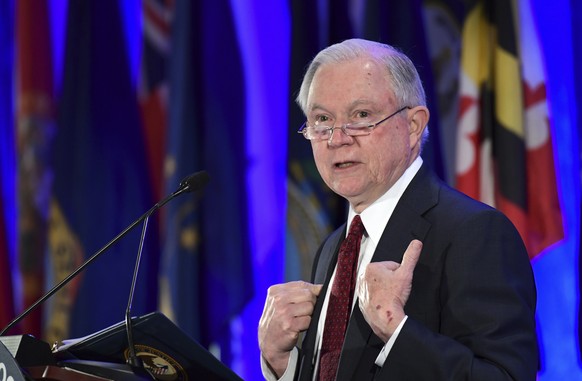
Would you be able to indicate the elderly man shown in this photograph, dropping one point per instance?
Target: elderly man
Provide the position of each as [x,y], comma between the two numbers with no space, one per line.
[427,284]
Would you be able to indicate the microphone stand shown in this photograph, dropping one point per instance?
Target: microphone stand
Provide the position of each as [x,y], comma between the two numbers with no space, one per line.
[132,359]
[72,275]
[191,183]
[62,283]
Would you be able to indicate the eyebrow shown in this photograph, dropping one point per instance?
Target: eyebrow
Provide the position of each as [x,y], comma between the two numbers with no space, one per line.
[354,104]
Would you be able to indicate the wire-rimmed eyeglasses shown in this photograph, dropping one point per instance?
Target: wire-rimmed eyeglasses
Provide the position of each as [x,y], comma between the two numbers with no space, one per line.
[323,132]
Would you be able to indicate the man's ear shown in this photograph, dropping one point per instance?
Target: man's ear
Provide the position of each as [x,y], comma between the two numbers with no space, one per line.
[417,121]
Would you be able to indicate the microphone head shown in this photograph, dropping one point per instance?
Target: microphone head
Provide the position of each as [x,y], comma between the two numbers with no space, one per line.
[195,181]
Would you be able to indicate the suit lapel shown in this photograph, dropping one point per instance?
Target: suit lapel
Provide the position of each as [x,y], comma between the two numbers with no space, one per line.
[407,221]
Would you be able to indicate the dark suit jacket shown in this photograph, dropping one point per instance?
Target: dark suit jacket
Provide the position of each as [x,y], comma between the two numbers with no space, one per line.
[472,306]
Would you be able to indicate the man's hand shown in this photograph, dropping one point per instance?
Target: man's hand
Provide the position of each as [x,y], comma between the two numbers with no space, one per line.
[286,314]
[384,290]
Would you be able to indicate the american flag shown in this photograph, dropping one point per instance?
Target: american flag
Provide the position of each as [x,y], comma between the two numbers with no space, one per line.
[153,84]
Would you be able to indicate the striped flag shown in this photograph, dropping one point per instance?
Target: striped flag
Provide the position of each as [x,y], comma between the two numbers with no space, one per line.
[544,218]
[504,146]
[157,16]
[35,128]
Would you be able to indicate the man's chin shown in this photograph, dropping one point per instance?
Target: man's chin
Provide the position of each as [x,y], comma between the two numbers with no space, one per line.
[351,193]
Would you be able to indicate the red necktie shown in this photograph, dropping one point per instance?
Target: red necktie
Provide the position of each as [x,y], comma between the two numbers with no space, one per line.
[340,302]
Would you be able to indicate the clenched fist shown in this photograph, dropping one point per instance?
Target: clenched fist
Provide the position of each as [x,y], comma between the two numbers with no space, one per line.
[286,314]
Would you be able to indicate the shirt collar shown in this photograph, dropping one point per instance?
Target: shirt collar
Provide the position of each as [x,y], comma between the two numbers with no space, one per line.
[376,216]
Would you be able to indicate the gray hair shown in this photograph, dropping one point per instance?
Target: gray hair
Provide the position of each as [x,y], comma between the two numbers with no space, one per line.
[404,78]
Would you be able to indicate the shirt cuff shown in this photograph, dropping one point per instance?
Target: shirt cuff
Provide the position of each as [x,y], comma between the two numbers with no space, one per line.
[289,372]
[381,359]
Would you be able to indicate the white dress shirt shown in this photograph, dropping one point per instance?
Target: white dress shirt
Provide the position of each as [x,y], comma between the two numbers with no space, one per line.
[375,218]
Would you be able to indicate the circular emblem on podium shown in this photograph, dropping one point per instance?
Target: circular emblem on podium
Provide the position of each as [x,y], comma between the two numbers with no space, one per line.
[162,366]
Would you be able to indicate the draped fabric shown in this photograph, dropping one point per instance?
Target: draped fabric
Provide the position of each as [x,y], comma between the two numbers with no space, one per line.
[157,18]
[205,278]
[101,183]
[226,261]
[504,146]
[180,266]
[35,128]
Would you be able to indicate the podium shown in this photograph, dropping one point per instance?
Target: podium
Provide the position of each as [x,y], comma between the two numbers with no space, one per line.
[24,358]
[9,368]
[167,353]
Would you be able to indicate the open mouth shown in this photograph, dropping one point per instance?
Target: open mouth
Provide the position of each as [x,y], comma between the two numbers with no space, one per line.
[344,164]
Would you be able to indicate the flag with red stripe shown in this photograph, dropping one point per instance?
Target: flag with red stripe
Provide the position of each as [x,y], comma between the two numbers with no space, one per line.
[35,127]
[157,16]
[544,218]
[504,147]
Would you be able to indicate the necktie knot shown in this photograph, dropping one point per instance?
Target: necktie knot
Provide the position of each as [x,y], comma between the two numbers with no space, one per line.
[357,227]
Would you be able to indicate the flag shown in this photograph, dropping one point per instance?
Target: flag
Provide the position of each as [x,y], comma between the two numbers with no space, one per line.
[7,155]
[101,183]
[227,251]
[206,273]
[180,269]
[504,146]
[542,223]
[35,128]
[157,16]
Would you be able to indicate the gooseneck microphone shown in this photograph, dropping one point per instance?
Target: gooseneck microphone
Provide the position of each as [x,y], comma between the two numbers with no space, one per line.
[196,181]
[191,183]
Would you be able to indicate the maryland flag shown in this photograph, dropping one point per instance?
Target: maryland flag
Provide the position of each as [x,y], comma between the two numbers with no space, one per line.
[504,147]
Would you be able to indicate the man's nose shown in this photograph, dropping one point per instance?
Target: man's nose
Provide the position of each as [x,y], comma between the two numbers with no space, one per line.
[338,137]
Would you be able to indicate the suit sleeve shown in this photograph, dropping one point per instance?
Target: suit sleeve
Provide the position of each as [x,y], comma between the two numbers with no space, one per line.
[486,321]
